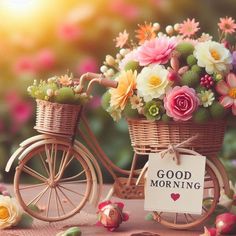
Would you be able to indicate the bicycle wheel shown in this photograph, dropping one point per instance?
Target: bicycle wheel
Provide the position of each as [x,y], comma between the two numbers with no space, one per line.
[55,178]
[186,221]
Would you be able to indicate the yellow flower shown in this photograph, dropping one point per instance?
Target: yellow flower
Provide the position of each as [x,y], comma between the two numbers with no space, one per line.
[65,80]
[125,89]
[10,212]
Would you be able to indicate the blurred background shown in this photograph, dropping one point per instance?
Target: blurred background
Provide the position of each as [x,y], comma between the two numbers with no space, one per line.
[40,38]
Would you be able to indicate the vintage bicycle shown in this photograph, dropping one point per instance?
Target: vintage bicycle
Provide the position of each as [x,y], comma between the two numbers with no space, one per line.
[57,167]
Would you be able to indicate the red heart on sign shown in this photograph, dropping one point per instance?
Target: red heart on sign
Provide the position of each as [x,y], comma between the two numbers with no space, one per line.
[175,196]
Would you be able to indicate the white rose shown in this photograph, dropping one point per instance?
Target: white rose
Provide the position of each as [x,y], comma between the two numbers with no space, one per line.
[10,212]
[152,82]
[213,56]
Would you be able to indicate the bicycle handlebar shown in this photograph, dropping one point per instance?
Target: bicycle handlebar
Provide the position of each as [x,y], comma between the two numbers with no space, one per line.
[95,78]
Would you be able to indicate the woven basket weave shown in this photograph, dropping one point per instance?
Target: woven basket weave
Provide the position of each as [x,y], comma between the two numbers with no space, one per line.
[55,118]
[154,136]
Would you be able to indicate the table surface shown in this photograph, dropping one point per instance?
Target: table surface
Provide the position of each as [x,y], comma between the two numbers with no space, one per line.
[136,224]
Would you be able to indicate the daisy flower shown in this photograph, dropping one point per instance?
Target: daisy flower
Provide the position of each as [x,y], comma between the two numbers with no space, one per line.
[206,98]
[136,103]
[145,32]
[189,27]
[227,25]
[205,37]
[121,39]
[65,80]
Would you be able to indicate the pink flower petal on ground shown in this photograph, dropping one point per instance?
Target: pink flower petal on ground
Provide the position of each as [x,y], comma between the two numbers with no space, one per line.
[222,88]
[226,101]
[231,80]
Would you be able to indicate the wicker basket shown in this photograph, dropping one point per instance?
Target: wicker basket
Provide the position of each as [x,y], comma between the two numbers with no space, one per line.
[55,118]
[152,136]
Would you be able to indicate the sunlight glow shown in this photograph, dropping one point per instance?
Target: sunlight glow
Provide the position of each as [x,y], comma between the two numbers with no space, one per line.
[19,6]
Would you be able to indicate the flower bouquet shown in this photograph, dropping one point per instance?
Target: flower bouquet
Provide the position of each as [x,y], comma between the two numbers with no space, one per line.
[173,85]
[59,101]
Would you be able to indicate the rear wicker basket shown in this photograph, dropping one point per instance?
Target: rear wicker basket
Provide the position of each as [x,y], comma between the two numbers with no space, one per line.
[154,136]
[55,118]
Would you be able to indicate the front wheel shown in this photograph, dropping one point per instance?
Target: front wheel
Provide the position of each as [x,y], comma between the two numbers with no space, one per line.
[186,221]
[54,178]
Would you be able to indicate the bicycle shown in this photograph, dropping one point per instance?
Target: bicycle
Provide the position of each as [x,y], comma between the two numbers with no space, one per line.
[60,166]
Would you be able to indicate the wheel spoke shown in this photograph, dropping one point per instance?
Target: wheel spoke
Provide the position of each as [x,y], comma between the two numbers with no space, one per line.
[63,166]
[80,194]
[191,217]
[44,164]
[49,200]
[32,186]
[73,182]
[186,218]
[34,173]
[38,197]
[54,159]
[72,177]
[56,198]
[176,218]
[205,209]
[49,160]
[60,201]
[68,199]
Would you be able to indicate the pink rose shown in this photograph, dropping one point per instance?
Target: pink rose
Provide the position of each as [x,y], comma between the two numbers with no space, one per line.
[181,102]
[157,50]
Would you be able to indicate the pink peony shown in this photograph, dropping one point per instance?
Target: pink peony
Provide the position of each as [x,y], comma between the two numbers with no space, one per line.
[181,102]
[156,50]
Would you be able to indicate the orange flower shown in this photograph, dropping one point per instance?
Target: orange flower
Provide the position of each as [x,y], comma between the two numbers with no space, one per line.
[65,80]
[145,32]
[125,89]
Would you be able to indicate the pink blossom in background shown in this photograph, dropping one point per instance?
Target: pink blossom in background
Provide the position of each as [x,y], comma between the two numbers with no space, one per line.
[24,65]
[21,112]
[1,125]
[157,50]
[45,59]
[12,97]
[88,64]
[69,31]
[124,9]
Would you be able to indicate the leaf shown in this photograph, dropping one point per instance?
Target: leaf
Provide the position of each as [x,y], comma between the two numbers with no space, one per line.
[26,221]
[149,217]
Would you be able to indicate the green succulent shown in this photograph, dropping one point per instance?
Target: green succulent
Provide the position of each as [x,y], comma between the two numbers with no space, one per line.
[153,110]
[185,49]
[191,60]
[190,78]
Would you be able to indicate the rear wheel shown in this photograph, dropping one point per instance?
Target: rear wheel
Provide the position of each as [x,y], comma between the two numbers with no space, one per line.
[185,221]
[54,178]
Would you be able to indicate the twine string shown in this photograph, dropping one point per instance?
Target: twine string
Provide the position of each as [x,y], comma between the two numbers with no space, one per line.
[173,149]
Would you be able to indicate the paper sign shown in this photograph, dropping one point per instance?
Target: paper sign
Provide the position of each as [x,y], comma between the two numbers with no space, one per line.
[175,188]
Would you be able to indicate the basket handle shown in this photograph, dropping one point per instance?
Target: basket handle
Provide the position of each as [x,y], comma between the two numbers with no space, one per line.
[95,78]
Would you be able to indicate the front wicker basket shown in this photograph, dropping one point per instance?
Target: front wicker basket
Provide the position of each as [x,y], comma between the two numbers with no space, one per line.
[154,136]
[57,119]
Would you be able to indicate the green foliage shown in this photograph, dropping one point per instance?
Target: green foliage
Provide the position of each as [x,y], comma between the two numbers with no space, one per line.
[26,221]
[202,115]
[191,60]
[129,112]
[106,97]
[64,95]
[185,49]
[196,69]
[132,65]
[217,111]
[190,78]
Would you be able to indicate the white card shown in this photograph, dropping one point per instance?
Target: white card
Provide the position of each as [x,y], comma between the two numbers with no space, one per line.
[175,188]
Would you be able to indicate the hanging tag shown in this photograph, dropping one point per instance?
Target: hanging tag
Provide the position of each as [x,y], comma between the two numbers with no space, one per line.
[175,188]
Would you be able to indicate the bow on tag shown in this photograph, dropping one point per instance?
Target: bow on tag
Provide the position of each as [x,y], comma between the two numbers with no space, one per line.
[173,151]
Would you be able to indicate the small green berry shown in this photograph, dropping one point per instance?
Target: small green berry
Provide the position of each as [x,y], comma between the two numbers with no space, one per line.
[190,78]
[185,49]
[202,115]
[132,65]
[106,97]
[191,60]
[217,111]
[196,69]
